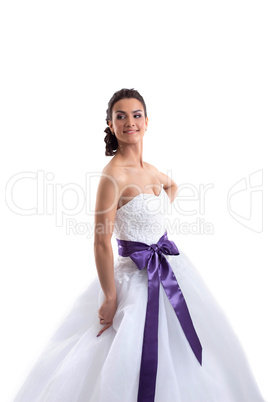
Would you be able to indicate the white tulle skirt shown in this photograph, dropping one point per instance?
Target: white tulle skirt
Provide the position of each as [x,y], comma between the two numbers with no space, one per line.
[77,366]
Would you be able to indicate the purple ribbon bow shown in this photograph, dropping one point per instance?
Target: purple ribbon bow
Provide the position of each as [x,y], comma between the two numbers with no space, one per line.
[158,270]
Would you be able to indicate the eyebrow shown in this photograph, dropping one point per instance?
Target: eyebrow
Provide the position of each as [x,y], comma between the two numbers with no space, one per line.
[134,111]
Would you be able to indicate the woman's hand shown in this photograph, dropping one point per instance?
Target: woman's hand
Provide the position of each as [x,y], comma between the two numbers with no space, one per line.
[106,313]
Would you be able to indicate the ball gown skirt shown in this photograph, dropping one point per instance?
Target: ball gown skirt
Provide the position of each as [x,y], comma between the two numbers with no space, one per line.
[188,352]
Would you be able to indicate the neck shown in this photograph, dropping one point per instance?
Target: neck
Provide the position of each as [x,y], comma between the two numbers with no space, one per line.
[130,154]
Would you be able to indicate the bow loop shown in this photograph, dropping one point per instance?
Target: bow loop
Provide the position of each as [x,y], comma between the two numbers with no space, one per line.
[169,247]
[141,258]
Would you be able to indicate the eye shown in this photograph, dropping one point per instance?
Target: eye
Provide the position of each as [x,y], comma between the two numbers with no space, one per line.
[119,117]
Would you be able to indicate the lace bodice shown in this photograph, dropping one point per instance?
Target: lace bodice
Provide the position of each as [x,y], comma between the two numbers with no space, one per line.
[144,219]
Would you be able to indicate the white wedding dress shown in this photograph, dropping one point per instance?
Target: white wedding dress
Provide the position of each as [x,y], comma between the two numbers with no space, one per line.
[77,366]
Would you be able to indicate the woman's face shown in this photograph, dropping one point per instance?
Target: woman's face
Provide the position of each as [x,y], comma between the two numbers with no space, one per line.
[128,120]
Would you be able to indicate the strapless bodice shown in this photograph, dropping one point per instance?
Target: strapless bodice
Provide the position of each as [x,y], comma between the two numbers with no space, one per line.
[143,218]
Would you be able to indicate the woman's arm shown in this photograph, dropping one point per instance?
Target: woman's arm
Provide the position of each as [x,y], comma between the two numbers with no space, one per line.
[105,212]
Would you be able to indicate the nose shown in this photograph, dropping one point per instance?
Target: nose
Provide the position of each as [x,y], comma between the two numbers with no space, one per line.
[129,121]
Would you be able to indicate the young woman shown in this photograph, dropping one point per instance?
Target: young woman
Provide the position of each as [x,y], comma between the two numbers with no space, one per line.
[147,328]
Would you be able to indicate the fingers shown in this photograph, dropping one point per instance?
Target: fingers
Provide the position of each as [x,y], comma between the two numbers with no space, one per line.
[101,318]
[104,329]
[103,322]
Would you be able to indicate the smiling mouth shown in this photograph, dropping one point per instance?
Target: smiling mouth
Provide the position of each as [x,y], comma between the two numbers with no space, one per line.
[130,131]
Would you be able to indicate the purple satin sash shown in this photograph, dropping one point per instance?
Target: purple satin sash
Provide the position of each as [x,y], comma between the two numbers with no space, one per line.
[158,268]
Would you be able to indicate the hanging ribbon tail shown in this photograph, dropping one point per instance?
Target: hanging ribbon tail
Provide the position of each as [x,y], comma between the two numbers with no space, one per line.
[153,257]
[149,359]
[175,295]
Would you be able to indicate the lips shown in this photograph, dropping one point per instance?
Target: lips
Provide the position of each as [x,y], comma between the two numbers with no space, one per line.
[130,131]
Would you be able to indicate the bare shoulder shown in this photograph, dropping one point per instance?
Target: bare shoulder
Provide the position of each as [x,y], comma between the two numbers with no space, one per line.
[106,203]
[108,194]
[151,168]
[154,172]
[162,177]
[111,180]
[113,170]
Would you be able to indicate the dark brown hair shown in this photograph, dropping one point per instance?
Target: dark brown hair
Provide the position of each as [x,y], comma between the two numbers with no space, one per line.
[110,139]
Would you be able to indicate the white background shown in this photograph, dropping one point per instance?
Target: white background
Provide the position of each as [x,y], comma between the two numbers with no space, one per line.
[202,70]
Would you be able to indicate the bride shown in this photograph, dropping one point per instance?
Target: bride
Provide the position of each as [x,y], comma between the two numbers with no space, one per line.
[148,328]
